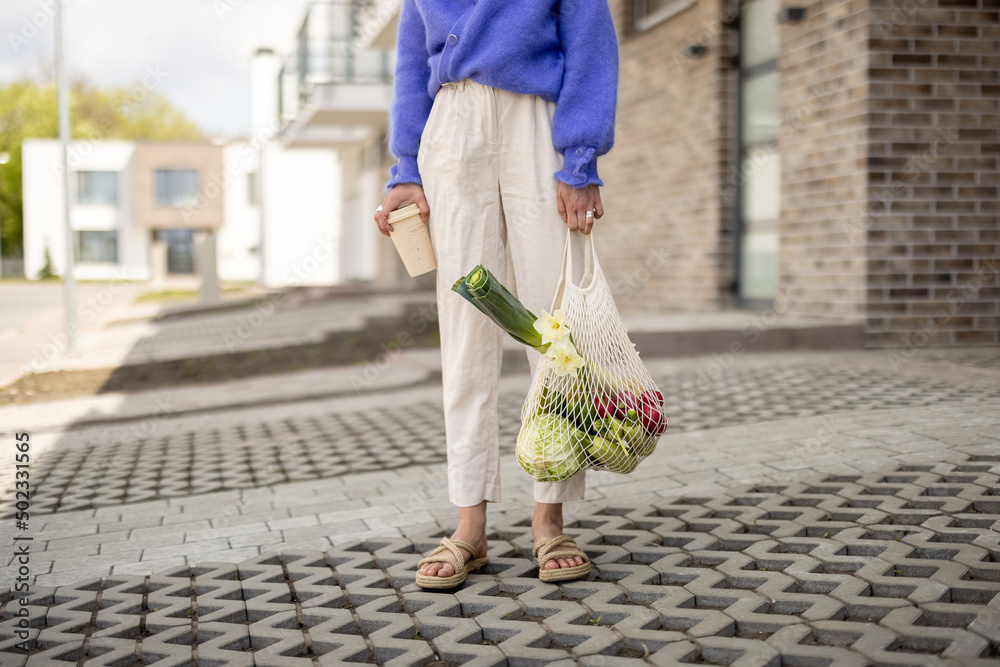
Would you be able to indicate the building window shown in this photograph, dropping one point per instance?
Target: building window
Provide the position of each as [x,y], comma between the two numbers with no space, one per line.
[758,240]
[176,187]
[650,12]
[253,196]
[96,247]
[97,187]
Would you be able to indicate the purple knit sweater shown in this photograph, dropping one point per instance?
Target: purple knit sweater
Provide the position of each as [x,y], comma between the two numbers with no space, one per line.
[565,51]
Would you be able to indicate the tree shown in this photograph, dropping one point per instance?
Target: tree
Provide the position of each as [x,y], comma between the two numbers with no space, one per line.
[47,272]
[28,110]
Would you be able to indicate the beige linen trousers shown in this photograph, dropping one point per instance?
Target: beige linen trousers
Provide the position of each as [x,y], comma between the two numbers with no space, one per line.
[487,161]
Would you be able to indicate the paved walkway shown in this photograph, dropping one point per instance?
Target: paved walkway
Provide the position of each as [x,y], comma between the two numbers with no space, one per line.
[304,426]
[800,509]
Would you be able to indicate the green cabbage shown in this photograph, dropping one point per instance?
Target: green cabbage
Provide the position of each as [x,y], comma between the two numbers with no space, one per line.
[550,448]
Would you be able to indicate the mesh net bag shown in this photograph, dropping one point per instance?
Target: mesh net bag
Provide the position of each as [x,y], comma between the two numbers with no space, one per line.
[592,403]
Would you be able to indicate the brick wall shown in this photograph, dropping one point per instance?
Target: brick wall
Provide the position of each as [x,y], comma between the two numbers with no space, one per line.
[933,234]
[662,241]
[889,167]
[822,141]
[889,142]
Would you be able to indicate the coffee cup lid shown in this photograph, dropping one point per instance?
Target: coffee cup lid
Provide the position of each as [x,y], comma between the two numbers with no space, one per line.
[403,213]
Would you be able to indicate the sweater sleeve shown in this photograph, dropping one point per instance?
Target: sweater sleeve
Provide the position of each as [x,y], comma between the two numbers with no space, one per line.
[411,103]
[584,120]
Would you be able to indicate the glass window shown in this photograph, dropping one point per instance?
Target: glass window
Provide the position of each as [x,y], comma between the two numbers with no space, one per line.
[759,264]
[760,161]
[759,24]
[760,108]
[176,187]
[253,197]
[762,186]
[650,12]
[761,208]
[99,247]
[97,187]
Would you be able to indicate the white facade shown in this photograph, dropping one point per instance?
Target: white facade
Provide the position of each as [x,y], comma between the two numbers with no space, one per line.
[362,186]
[287,233]
[238,241]
[301,205]
[43,207]
[337,97]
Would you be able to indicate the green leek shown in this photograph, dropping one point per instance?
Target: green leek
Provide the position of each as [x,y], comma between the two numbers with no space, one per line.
[485,292]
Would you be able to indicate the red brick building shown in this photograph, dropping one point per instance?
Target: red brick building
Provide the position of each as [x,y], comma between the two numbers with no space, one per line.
[835,158]
[838,156]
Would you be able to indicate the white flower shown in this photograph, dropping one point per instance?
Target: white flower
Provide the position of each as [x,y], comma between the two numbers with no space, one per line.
[561,343]
[565,360]
[552,326]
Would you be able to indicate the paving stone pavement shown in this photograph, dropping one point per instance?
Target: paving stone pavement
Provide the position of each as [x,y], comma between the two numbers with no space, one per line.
[320,569]
[991,362]
[893,567]
[101,467]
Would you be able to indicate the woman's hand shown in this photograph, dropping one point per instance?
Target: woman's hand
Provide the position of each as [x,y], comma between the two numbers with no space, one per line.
[404,193]
[574,204]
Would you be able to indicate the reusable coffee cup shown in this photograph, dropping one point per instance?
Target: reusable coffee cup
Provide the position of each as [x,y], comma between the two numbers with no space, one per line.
[413,242]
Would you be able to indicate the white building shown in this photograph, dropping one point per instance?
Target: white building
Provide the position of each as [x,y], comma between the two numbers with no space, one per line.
[137,209]
[335,92]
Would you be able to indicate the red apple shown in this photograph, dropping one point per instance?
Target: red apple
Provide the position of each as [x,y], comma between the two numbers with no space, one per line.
[626,401]
[652,419]
[662,426]
[652,397]
[604,405]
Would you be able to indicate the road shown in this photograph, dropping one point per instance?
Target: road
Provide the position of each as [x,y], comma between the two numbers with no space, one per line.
[32,317]
[22,302]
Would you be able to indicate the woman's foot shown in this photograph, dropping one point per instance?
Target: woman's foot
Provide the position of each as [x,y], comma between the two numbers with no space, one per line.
[547,522]
[471,529]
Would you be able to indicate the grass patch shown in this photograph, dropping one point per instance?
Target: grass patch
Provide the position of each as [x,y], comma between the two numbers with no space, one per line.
[176,294]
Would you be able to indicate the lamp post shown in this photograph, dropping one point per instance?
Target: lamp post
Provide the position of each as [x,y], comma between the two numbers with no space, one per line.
[4,159]
[69,281]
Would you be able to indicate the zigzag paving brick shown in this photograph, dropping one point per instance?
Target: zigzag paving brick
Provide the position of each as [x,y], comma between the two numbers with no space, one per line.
[894,567]
[109,467]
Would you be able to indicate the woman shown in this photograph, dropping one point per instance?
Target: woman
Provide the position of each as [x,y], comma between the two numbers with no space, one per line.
[501,108]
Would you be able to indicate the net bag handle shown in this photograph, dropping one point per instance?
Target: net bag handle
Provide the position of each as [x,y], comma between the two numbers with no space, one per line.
[590,267]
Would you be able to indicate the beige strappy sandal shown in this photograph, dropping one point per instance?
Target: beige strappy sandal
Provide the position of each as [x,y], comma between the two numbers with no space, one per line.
[449,552]
[547,549]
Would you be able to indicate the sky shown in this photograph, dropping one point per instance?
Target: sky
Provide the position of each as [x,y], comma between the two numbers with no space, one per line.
[200,49]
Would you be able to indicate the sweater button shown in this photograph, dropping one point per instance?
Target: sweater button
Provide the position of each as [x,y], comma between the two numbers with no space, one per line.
[453,39]
[579,151]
